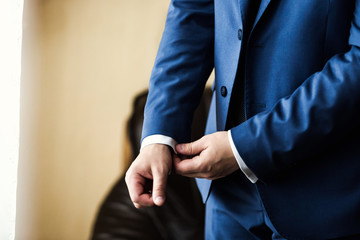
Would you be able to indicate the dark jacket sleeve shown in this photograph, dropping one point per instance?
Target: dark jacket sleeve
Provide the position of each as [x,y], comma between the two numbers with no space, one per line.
[183,64]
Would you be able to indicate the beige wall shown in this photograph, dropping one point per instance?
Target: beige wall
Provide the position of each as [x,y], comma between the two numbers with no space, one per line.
[83,61]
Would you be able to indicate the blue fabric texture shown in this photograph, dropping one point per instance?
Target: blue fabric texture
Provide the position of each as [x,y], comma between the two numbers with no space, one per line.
[301,136]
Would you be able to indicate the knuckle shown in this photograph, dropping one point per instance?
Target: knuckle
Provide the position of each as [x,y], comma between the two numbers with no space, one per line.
[159,188]
[209,169]
[191,147]
[135,199]
[205,168]
[202,168]
[127,177]
[188,148]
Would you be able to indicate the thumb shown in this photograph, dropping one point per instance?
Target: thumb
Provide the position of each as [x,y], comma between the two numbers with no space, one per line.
[192,148]
[159,188]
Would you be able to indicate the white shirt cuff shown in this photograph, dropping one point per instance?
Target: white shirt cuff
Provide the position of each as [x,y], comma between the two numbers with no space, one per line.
[158,138]
[248,173]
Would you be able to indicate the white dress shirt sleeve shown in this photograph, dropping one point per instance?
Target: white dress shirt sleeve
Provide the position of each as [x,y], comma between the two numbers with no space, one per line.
[248,173]
[158,138]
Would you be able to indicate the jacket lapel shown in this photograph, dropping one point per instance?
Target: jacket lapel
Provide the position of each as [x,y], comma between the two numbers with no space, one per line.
[244,10]
[263,5]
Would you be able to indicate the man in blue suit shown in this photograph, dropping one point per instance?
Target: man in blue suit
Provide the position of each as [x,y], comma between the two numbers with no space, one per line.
[281,155]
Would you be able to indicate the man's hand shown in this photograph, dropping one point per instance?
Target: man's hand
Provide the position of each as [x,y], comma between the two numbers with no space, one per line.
[146,178]
[210,157]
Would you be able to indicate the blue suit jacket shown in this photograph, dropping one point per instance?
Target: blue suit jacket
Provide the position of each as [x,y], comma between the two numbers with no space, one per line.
[301,136]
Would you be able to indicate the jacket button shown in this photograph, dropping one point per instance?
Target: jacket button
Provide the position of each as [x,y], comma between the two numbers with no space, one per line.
[223,91]
[240,34]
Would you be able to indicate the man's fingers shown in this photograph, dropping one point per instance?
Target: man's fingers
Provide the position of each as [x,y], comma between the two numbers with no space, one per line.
[146,178]
[188,167]
[159,188]
[144,200]
[135,185]
[139,196]
[192,148]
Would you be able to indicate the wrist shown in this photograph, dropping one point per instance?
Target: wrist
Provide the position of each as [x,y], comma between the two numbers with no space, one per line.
[156,146]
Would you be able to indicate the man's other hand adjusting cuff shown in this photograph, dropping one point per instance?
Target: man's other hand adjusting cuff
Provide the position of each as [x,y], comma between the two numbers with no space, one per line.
[248,173]
[158,139]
